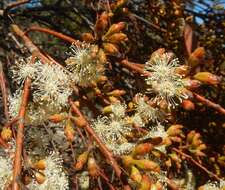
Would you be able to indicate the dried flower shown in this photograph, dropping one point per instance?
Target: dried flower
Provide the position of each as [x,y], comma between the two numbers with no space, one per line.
[56,178]
[163,80]
[85,63]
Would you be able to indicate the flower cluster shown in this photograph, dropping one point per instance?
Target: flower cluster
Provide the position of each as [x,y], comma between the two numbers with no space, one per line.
[163,79]
[86,62]
[112,130]
[56,178]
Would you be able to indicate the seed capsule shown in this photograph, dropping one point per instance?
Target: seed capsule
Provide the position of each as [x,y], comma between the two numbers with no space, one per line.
[82,159]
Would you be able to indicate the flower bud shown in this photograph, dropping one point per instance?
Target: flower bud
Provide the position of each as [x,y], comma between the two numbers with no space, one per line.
[147,165]
[81,160]
[196,57]
[6,133]
[145,183]
[188,105]
[116,93]
[40,165]
[117,38]
[93,169]
[135,174]
[102,57]
[110,48]
[127,160]
[87,37]
[40,177]
[174,130]
[207,77]
[115,28]
[101,23]
[142,149]
[56,118]
[69,131]
[79,121]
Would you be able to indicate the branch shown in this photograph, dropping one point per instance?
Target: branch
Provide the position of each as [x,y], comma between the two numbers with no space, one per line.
[4,92]
[101,145]
[52,32]
[20,134]
[209,103]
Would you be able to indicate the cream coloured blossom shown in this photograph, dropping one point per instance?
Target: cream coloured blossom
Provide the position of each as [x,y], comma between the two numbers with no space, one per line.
[56,178]
[164,81]
[23,69]
[52,86]
[5,171]
[85,63]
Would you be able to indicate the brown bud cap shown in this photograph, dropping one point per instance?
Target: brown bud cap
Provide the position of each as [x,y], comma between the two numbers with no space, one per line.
[207,77]
[113,99]
[115,28]
[87,37]
[188,105]
[6,133]
[196,57]
[101,23]
[81,160]
[102,57]
[40,177]
[117,38]
[110,48]
[56,118]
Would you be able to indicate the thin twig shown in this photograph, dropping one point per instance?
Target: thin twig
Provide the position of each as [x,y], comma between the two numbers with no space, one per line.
[197,164]
[20,135]
[4,92]
[52,32]
[209,103]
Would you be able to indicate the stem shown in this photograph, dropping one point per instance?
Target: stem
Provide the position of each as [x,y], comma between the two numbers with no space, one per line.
[209,103]
[197,164]
[4,92]
[20,134]
[54,33]
[101,145]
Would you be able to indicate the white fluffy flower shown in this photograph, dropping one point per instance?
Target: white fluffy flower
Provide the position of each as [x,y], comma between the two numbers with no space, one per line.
[112,132]
[85,64]
[52,86]
[146,111]
[5,171]
[14,103]
[56,178]
[23,69]
[214,185]
[118,110]
[163,80]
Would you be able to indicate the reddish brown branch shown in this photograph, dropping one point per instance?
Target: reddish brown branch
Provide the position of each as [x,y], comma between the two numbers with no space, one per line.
[101,145]
[209,103]
[28,43]
[20,135]
[4,92]
[197,164]
[52,32]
